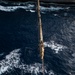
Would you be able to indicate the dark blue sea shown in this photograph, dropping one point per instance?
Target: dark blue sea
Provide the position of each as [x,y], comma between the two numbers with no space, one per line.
[19,47]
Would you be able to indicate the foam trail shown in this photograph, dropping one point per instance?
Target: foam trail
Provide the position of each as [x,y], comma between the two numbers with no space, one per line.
[54,46]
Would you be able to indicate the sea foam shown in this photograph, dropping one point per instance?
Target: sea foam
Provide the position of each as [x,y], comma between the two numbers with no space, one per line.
[13,60]
[32,8]
[54,46]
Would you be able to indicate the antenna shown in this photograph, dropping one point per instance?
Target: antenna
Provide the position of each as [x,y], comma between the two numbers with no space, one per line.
[41,44]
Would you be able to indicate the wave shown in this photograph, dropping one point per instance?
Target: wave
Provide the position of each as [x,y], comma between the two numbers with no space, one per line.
[52,8]
[13,8]
[13,60]
[54,46]
[35,69]
[32,8]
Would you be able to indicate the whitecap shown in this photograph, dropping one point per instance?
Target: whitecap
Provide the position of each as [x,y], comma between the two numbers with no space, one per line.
[51,72]
[52,8]
[13,8]
[30,7]
[10,61]
[32,10]
[13,60]
[35,69]
[54,46]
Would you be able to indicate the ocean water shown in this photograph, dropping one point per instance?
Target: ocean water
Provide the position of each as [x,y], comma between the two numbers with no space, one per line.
[19,52]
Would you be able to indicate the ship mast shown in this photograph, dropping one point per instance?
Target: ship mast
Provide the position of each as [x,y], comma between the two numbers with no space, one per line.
[41,43]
